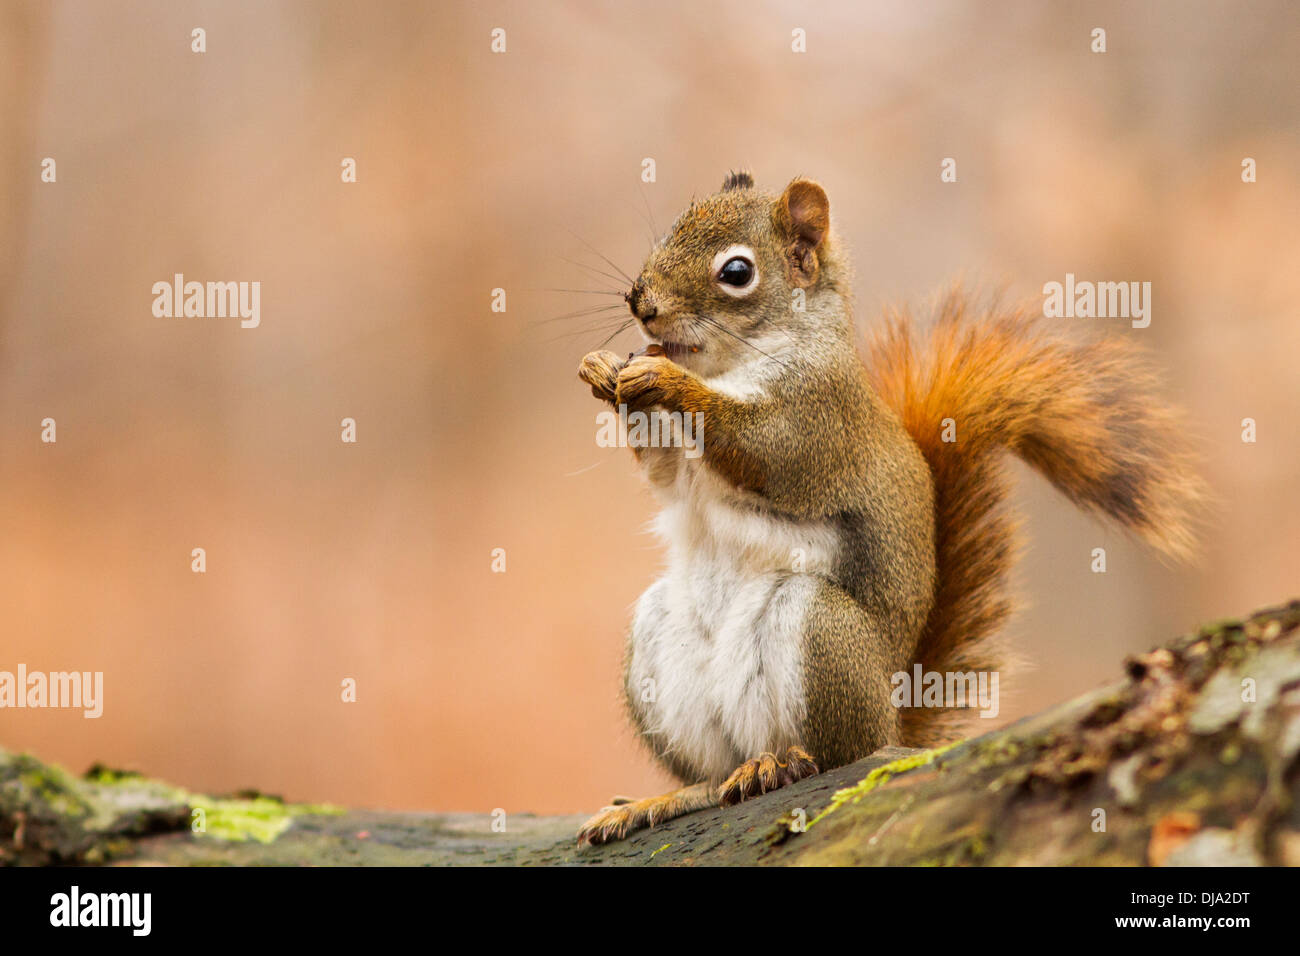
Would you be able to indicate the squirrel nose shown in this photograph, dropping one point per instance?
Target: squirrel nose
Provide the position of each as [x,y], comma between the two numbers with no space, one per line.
[639,302]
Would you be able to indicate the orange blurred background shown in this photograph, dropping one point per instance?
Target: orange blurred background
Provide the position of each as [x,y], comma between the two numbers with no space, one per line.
[478,171]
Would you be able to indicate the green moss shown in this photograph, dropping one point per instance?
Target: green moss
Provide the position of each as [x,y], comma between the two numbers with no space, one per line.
[878,777]
[247,815]
[106,799]
[1217,627]
[99,773]
[260,818]
[52,786]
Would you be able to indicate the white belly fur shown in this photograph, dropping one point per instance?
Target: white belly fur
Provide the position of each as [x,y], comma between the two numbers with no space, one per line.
[719,635]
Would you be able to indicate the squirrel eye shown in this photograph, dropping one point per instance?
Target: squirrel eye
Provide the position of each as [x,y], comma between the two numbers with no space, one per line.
[737,271]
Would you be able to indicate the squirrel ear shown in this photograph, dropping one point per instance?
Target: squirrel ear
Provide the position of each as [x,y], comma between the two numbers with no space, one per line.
[807,211]
[804,213]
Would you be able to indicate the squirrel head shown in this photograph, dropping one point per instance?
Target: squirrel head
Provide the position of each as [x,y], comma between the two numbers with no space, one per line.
[738,274]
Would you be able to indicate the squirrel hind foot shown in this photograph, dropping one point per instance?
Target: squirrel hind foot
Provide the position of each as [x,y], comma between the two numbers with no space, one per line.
[765,773]
[623,819]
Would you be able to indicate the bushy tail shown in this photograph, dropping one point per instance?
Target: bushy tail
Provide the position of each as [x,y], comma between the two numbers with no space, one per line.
[1083,414]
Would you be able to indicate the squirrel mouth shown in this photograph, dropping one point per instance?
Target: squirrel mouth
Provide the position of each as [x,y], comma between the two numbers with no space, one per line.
[675,350]
[669,350]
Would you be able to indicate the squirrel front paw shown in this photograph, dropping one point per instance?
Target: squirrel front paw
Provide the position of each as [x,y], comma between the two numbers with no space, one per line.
[600,371]
[647,380]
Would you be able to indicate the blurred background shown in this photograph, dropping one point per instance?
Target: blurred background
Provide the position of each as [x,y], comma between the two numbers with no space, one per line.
[478,171]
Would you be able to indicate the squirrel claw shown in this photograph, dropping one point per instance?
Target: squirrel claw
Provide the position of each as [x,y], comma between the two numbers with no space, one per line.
[616,822]
[600,371]
[644,381]
[612,823]
[765,773]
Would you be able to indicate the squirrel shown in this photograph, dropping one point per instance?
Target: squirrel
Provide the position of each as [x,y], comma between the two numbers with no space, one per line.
[846,516]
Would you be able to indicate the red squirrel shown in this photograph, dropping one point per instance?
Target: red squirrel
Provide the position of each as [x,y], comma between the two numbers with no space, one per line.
[846,519]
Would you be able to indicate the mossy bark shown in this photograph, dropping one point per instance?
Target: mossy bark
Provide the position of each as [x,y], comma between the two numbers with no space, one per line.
[1192,758]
